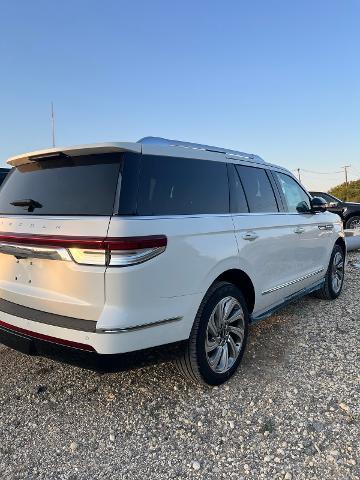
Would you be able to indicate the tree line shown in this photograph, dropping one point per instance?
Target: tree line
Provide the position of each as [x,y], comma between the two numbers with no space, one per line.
[347,192]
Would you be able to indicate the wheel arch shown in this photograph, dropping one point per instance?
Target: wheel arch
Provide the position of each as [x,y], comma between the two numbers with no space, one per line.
[341,242]
[243,282]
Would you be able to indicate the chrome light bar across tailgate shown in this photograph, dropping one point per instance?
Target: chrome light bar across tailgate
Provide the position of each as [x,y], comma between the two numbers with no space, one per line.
[23,251]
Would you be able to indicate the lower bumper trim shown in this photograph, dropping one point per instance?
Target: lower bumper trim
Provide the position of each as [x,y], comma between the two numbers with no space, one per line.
[139,327]
[46,338]
[90,360]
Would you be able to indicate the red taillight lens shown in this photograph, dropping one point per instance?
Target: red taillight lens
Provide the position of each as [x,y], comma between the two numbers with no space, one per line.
[133,250]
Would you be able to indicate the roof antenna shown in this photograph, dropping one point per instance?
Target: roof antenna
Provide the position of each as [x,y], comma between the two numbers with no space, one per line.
[53,124]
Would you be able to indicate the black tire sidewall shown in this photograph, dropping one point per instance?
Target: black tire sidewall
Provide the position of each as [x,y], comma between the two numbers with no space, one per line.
[208,375]
[329,285]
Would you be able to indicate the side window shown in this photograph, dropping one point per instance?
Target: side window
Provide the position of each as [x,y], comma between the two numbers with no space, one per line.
[182,186]
[238,203]
[327,198]
[294,195]
[258,189]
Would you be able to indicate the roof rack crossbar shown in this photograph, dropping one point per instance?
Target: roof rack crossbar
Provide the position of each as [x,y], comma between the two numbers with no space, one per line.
[198,146]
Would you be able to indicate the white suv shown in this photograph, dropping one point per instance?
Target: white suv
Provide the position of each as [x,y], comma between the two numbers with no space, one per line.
[119,247]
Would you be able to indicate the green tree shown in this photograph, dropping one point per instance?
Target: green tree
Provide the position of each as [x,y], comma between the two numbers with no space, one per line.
[349,193]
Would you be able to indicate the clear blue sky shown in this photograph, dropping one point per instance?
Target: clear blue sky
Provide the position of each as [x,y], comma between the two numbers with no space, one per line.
[276,77]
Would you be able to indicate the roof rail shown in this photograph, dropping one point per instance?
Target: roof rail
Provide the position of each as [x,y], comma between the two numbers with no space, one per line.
[199,146]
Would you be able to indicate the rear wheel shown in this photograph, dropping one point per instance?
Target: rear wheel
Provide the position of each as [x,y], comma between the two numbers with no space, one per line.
[218,337]
[334,276]
[353,222]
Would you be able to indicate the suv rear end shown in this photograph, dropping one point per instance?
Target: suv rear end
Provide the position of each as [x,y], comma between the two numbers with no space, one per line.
[86,264]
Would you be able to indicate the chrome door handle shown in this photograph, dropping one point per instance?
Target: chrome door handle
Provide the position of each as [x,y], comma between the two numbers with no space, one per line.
[326,227]
[250,236]
[299,230]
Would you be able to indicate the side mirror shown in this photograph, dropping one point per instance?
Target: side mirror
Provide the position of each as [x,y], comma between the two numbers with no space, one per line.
[318,205]
[303,207]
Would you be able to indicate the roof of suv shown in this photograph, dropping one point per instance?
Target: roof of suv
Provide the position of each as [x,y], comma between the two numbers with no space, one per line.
[146,145]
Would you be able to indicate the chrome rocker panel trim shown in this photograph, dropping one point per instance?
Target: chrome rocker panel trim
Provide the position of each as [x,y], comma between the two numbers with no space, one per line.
[292,282]
[287,301]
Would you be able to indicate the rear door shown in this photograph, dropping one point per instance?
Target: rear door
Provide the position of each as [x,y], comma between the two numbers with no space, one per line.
[54,213]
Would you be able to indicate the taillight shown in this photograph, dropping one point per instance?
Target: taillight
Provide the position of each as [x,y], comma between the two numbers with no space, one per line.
[121,252]
[113,252]
[88,256]
[133,250]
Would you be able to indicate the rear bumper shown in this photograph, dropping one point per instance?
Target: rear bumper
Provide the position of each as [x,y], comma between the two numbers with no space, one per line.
[118,331]
[88,359]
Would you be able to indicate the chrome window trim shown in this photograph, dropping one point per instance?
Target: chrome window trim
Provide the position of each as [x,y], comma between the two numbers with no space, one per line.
[204,215]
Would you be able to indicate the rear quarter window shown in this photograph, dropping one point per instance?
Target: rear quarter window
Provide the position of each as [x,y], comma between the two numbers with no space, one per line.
[182,186]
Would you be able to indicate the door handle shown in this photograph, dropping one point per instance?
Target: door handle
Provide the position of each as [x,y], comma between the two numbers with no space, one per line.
[326,227]
[299,230]
[250,236]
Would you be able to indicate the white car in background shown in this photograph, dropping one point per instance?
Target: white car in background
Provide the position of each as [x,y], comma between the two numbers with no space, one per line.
[118,247]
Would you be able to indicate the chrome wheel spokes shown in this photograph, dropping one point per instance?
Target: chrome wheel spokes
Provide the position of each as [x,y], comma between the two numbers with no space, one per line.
[224,334]
[337,272]
[354,224]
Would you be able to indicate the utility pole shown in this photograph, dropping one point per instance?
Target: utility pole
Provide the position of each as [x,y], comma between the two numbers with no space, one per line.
[345,167]
[53,124]
[298,170]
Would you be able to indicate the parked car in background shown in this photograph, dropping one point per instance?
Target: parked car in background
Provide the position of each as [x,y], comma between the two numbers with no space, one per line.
[118,247]
[348,211]
[3,174]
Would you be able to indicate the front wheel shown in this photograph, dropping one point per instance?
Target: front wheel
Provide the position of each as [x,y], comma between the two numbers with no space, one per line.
[218,337]
[353,222]
[334,279]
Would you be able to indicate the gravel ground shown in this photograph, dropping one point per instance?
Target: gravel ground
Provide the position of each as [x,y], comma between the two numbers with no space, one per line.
[291,411]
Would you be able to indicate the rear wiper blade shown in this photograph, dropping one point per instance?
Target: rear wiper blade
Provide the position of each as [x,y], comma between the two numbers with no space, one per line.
[29,203]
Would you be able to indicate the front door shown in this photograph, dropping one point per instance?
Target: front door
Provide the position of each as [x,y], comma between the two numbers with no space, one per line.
[314,233]
[266,237]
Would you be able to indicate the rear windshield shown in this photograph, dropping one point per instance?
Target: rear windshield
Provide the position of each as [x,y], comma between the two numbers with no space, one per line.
[83,185]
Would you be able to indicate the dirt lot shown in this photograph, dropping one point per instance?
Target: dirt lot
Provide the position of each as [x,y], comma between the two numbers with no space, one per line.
[291,412]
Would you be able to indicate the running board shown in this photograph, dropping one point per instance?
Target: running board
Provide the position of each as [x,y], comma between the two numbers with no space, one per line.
[287,301]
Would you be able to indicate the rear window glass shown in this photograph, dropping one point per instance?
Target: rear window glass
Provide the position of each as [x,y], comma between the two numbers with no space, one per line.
[258,189]
[182,186]
[238,201]
[83,185]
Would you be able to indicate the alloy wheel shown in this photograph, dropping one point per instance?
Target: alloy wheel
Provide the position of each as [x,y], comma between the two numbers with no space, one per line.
[355,224]
[225,334]
[337,272]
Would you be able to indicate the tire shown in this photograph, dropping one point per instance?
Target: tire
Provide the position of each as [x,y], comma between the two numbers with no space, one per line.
[330,289]
[353,222]
[204,359]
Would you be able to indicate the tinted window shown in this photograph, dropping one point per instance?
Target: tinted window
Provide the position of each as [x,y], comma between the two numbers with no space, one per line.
[2,176]
[83,185]
[326,197]
[258,189]
[238,203]
[293,193]
[3,173]
[182,186]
